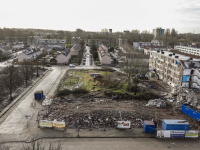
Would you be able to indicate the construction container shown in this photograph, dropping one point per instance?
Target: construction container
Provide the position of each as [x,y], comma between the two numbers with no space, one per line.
[190,112]
[149,126]
[175,125]
[39,95]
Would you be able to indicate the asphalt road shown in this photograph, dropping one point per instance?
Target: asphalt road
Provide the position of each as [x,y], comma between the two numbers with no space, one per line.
[16,122]
[118,144]
[8,62]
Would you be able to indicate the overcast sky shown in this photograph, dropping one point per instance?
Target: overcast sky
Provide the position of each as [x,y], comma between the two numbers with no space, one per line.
[94,15]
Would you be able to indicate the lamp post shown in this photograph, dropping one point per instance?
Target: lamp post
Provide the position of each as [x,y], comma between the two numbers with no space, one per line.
[78,122]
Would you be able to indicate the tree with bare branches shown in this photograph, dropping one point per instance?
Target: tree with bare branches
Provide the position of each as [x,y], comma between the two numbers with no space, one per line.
[134,65]
[26,71]
[10,78]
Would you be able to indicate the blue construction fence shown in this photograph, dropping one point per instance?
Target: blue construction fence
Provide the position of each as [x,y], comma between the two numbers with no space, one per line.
[190,112]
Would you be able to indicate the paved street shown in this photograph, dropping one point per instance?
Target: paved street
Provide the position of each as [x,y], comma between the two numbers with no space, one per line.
[8,62]
[16,122]
[119,144]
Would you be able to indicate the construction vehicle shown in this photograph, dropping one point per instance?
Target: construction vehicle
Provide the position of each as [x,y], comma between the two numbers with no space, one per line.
[143,76]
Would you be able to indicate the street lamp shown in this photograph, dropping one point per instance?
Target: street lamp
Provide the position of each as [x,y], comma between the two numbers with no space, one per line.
[78,122]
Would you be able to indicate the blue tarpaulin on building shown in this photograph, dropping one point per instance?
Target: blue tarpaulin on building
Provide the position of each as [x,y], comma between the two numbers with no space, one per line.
[185,78]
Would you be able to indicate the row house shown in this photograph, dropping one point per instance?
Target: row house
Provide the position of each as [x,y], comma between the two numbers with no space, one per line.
[29,54]
[104,56]
[176,69]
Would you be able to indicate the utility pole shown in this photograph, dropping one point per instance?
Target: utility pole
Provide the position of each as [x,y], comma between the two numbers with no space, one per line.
[78,122]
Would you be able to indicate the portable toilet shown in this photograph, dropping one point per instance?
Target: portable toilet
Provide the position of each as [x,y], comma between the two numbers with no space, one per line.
[149,126]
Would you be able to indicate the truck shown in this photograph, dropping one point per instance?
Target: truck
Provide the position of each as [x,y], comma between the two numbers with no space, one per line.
[39,95]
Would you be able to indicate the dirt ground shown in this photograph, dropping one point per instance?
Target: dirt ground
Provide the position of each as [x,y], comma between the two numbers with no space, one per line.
[97,109]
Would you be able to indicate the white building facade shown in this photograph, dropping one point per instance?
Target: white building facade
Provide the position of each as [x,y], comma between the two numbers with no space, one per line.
[103,54]
[187,49]
[62,59]
[176,69]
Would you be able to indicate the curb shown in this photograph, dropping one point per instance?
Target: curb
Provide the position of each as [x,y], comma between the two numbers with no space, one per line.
[40,138]
[8,107]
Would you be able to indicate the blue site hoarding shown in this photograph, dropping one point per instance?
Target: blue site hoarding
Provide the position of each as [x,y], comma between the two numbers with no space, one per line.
[175,125]
[177,134]
[190,112]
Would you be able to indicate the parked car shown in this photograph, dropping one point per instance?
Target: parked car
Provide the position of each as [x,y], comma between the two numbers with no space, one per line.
[71,65]
[48,65]
[118,66]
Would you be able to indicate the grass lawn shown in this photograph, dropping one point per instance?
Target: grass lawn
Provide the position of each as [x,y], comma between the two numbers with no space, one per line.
[102,83]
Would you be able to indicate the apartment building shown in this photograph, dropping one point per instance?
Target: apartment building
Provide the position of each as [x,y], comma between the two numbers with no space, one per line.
[141,45]
[158,32]
[176,69]
[103,54]
[187,49]
[148,49]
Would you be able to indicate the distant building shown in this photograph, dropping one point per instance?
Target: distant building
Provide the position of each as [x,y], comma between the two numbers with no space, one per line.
[103,54]
[141,45]
[75,40]
[75,49]
[28,54]
[5,49]
[63,58]
[187,49]
[158,32]
[97,42]
[110,31]
[148,49]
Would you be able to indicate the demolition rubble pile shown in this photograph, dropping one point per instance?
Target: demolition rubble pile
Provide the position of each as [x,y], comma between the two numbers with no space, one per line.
[188,96]
[156,102]
[92,118]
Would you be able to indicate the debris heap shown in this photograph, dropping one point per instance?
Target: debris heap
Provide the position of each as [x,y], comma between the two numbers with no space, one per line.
[188,96]
[157,103]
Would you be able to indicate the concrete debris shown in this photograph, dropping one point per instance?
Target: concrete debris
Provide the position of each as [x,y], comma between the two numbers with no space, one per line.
[157,103]
[188,96]
[47,102]
[93,118]
[171,100]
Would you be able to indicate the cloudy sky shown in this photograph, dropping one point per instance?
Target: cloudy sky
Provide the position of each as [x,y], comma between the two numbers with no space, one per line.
[94,15]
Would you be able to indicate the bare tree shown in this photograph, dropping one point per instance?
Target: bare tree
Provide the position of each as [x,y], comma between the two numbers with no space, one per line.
[10,78]
[37,65]
[44,53]
[26,71]
[133,65]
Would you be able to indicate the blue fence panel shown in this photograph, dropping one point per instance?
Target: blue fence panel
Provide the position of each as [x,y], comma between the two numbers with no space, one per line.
[190,112]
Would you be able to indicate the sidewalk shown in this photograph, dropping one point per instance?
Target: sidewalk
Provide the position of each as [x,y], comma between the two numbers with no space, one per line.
[47,133]
[8,107]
